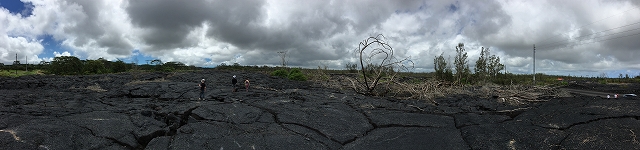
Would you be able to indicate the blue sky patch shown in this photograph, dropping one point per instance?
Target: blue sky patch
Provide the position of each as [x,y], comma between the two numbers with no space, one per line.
[50,45]
[17,7]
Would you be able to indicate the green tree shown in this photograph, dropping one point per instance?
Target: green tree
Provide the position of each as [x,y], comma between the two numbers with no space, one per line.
[481,70]
[448,73]
[461,64]
[494,66]
[108,65]
[440,65]
[352,67]
[94,67]
[119,66]
[170,66]
[66,65]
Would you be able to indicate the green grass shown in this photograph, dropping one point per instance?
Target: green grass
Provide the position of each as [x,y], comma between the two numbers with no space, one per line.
[12,73]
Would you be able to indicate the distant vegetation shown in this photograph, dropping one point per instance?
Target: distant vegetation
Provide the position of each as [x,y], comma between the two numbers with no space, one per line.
[488,69]
[17,73]
[70,65]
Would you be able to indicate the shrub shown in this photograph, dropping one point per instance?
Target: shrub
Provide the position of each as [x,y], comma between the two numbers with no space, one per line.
[564,83]
[352,67]
[66,65]
[603,81]
[297,76]
[167,69]
[295,71]
[280,73]
[294,74]
[119,66]
[94,67]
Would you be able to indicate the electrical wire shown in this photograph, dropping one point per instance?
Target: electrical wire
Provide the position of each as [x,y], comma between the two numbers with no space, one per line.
[608,39]
[553,37]
[594,38]
[556,43]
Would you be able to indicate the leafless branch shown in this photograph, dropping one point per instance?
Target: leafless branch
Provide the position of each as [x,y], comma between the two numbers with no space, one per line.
[372,49]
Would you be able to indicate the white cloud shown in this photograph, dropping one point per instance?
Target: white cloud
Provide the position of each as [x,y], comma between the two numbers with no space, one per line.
[318,33]
[65,53]
[23,47]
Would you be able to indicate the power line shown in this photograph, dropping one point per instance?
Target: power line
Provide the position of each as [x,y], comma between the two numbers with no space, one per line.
[609,39]
[553,37]
[594,38]
[555,43]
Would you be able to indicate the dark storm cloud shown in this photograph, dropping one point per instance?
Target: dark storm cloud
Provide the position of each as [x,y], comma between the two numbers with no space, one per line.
[243,29]
[625,41]
[243,24]
[483,18]
[168,22]
[115,45]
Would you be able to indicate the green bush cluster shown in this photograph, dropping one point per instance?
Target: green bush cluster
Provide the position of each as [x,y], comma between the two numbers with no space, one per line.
[294,74]
[280,73]
[297,75]
[70,65]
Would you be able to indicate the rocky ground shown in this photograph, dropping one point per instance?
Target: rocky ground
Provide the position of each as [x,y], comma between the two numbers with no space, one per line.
[161,111]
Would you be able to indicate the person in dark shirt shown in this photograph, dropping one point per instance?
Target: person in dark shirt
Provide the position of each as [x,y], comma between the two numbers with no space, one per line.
[234,81]
[203,87]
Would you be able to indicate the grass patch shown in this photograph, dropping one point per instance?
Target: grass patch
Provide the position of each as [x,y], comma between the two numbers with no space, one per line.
[96,88]
[145,81]
[13,74]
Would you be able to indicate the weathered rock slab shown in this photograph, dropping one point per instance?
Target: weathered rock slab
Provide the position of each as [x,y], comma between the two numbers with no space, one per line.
[410,138]
[162,111]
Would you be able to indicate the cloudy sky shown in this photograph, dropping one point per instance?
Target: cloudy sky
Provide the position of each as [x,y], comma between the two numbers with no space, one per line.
[580,38]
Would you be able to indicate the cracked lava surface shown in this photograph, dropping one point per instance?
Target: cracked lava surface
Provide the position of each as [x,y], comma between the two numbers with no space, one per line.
[161,111]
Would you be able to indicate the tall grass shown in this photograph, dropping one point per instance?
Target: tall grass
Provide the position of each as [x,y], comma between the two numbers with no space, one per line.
[18,73]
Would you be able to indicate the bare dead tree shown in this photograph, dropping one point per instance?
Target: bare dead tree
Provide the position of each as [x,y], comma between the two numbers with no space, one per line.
[376,53]
[283,56]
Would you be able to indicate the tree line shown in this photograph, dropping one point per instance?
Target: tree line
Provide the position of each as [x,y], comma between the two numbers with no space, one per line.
[487,67]
[71,65]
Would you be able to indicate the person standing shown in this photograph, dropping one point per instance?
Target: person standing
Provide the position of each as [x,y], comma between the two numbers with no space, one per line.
[203,88]
[246,84]
[234,81]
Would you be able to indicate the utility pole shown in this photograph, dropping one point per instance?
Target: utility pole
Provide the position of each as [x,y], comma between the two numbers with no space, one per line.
[534,64]
[26,63]
[15,64]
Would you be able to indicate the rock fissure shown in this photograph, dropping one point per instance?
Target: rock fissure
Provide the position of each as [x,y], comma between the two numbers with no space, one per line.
[587,122]
[369,120]
[119,142]
[116,141]
[316,131]
[563,139]
[162,114]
